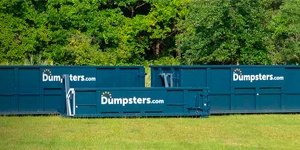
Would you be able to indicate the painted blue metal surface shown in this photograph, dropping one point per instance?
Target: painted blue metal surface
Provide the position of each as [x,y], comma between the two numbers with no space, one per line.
[38,89]
[135,101]
[233,89]
[141,102]
[238,89]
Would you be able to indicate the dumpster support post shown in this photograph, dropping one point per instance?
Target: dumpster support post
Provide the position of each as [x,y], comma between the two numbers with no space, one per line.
[70,96]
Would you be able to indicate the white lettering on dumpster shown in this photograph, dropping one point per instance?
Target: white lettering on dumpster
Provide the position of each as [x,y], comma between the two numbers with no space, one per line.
[239,76]
[48,76]
[106,98]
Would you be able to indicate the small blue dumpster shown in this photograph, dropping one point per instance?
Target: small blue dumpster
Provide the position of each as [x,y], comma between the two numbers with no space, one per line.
[135,101]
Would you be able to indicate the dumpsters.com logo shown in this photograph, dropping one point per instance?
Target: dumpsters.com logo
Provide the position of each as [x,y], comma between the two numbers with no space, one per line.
[107,98]
[239,76]
[48,76]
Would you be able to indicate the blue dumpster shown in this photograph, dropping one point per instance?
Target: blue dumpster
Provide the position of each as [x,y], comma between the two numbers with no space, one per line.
[135,101]
[237,89]
[38,89]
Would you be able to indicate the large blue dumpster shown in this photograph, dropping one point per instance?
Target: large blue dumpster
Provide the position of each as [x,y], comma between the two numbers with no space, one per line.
[38,89]
[238,89]
[135,101]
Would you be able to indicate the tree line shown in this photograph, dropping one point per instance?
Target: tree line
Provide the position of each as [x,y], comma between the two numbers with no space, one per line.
[143,32]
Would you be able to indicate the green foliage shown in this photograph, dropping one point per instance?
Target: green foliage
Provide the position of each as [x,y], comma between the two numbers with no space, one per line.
[130,32]
[224,32]
[286,34]
[22,32]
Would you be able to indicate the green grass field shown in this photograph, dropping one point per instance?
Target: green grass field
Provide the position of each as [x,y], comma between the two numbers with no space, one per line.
[215,132]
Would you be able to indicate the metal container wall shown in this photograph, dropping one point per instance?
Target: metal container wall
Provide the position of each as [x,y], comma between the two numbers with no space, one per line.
[38,89]
[140,102]
[237,89]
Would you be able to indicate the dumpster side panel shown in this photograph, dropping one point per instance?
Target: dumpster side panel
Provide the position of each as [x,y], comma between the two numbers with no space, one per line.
[141,102]
[121,76]
[29,82]
[292,82]
[7,81]
[220,80]
[255,89]
[291,89]
[38,89]
[7,90]
[106,74]
[243,89]
[194,77]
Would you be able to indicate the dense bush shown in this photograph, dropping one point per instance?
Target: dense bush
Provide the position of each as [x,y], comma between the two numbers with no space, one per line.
[137,32]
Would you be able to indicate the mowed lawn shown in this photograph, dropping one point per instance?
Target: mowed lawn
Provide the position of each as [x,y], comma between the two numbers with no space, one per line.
[215,132]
